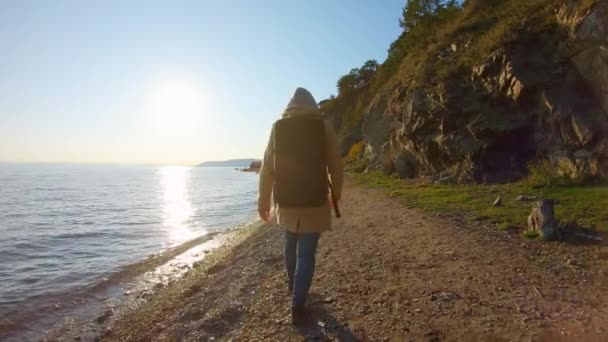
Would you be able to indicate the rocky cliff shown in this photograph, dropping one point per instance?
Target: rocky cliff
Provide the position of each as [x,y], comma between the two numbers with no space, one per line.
[473,111]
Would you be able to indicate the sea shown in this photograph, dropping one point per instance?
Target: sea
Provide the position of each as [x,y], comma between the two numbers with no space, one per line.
[78,241]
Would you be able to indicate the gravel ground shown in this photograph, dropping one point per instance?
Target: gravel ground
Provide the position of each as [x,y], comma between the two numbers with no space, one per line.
[391,273]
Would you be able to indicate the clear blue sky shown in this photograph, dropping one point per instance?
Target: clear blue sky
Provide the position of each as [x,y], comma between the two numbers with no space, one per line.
[171,81]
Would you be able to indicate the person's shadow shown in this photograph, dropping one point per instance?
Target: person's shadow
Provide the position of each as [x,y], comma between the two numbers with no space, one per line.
[321,324]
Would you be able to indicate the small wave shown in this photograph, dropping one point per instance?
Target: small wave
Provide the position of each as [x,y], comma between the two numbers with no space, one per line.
[137,223]
[40,188]
[82,235]
[15,215]
[81,223]
[30,280]
[28,245]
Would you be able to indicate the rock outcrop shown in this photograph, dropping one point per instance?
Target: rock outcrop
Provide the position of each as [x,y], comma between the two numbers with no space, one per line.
[590,51]
[544,95]
[255,166]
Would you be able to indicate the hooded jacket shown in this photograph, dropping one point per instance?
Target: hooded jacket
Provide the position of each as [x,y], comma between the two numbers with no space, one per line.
[303,220]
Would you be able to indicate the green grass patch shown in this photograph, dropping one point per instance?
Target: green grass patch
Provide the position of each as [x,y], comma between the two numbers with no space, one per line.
[588,205]
[504,226]
[531,234]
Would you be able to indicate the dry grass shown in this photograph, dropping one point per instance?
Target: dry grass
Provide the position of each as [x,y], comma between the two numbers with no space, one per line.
[585,5]
[485,27]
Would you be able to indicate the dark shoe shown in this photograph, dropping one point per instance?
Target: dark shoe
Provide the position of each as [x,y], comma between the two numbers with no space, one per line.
[298,314]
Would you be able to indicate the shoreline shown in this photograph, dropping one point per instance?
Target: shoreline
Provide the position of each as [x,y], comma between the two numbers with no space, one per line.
[133,285]
[136,322]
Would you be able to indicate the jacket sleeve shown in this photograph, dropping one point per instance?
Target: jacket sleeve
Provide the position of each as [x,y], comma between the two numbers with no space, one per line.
[334,162]
[267,175]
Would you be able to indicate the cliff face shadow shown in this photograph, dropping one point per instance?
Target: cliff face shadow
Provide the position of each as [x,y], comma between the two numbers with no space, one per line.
[322,324]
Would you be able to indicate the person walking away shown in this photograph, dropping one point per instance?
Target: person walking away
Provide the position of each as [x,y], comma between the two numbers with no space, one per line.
[301,159]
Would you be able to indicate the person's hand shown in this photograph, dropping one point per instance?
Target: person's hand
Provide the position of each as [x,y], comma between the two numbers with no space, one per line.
[264,213]
[331,201]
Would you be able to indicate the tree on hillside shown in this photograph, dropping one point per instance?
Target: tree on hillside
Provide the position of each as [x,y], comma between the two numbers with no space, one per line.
[419,20]
[347,82]
[357,78]
[366,72]
[421,14]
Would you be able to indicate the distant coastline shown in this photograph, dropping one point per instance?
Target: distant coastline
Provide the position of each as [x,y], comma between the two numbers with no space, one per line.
[238,163]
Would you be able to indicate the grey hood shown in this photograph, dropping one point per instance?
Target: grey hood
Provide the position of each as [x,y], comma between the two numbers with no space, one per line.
[302,103]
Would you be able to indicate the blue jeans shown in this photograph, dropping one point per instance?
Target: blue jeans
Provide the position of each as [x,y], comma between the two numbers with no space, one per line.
[300,250]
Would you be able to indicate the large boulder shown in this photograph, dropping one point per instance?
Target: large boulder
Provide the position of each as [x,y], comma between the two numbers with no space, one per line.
[542,220]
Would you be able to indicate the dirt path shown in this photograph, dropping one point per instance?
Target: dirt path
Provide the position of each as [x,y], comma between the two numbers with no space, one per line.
[386,272]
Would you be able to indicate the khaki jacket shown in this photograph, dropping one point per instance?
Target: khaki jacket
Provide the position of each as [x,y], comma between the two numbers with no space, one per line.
[302,220]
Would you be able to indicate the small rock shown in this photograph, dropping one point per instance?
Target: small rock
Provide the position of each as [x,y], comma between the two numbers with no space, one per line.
[313,336]
[448,296]
[144,294]
[107,331]
[418,310]
[107,314]
[582,154]
[328,300]
[433,298]
[446,180]
[497,202]
[333,325]
[572,262]
[179,333]
[434,335]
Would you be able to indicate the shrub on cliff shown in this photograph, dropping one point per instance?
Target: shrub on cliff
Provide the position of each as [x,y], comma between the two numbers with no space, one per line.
[355,152]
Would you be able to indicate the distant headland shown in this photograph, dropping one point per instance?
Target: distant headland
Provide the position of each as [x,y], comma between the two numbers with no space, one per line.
[237,163]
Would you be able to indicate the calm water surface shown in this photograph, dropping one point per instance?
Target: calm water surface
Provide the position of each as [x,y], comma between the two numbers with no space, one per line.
[66,228]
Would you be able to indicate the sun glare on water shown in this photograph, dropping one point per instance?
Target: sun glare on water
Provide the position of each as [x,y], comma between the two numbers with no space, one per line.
[177,208]
[175,108]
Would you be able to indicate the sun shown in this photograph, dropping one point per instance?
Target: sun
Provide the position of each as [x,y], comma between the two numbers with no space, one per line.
[175,108]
